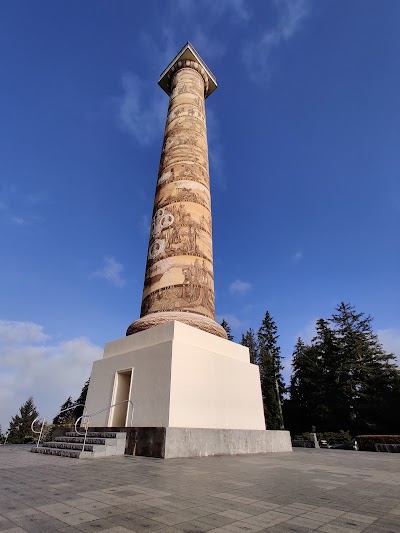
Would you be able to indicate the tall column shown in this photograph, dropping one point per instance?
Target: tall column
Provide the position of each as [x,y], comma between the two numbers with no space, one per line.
[179,279]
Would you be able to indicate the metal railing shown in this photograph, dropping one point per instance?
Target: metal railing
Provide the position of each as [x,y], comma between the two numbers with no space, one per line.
[43,419]
[86,418]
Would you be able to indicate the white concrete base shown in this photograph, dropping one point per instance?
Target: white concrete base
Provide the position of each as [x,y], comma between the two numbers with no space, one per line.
[176,376]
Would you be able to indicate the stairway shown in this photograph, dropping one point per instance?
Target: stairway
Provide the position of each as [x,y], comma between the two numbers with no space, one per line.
[103,444]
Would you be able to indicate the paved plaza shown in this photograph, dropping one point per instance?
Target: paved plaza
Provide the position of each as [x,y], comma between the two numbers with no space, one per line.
[332,491]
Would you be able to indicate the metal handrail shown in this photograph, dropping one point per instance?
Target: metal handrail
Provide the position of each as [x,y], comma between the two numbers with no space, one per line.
[86,422]
[43,418]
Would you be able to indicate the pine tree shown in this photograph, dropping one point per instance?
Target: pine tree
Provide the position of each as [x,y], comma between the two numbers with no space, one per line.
[249,340]
[306,408]
[20,425]
[78,411]
[344,380]
[364,375]
[227,328]
[272,385]
[66,417]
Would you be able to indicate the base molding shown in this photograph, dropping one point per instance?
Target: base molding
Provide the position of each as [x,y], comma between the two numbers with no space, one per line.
[169,442]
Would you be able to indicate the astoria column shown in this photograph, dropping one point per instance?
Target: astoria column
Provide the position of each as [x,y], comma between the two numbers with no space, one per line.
[179,278]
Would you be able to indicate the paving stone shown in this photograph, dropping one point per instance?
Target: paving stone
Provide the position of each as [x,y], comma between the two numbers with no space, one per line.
[304,522]
[333,528]
[194,527]
[215,520]
[243,527]
[238,515]
[365,519]
[217,494]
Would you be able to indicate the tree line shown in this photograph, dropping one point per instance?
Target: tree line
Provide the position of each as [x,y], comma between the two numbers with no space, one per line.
[343,380]
[20,432]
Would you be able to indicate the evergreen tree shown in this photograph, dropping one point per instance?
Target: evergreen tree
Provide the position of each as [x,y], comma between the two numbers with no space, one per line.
[249,340]
[272,385]
[20,425]
[66,417]
[344,380]
[227,328]
[78,411]
[300,408]
[363,374]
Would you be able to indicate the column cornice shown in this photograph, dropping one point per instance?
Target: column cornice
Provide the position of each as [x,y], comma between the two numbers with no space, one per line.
[188,58]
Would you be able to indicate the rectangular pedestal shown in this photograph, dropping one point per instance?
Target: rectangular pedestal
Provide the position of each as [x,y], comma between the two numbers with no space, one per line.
[176,377]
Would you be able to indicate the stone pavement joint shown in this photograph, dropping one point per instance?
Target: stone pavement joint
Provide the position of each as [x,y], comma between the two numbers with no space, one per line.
[230,494]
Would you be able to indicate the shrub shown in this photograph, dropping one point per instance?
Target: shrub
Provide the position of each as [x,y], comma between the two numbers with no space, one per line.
[367,443]
[333,437]
[336,437]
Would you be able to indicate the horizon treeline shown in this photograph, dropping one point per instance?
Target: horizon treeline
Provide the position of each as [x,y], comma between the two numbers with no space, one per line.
[343,380]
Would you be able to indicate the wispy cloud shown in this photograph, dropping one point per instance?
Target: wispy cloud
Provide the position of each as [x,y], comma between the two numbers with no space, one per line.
[111,271]
[215,149]
[297,256]
[145,224]
[236,10]
[18,208]
[17,220]
[161,45]
[203,36]
[240,287]
[208,45]
[257,54]
[308,332]
[141,109]
[29,360]
[233,321]
[390,339]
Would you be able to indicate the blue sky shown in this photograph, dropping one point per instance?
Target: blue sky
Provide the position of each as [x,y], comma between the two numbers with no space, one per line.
[305,162]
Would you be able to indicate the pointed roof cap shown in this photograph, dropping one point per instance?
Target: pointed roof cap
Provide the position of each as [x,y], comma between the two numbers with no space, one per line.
[188,52]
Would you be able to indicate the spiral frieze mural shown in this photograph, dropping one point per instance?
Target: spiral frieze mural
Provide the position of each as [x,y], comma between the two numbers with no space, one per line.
[179,274]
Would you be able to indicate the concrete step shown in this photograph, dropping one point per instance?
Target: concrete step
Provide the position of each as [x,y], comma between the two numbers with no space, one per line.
[77,440]
[55,451]
[98,435]
[75,446]
[103,444]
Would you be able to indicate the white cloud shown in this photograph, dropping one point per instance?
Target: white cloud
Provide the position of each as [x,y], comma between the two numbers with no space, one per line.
[17,220]
[240,287]
[31,365]
[21,332]
[111,271]
[258,53]
[233,321]
[141,109]
[297,256]
[308,332]
[390,339]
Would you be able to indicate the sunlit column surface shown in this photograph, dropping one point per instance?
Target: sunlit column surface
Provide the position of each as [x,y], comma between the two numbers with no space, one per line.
[179,279]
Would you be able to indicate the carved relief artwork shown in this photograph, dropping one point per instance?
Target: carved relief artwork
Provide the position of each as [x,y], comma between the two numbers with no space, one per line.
[193,290]
[183,191]
[179,270]
[177,231]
